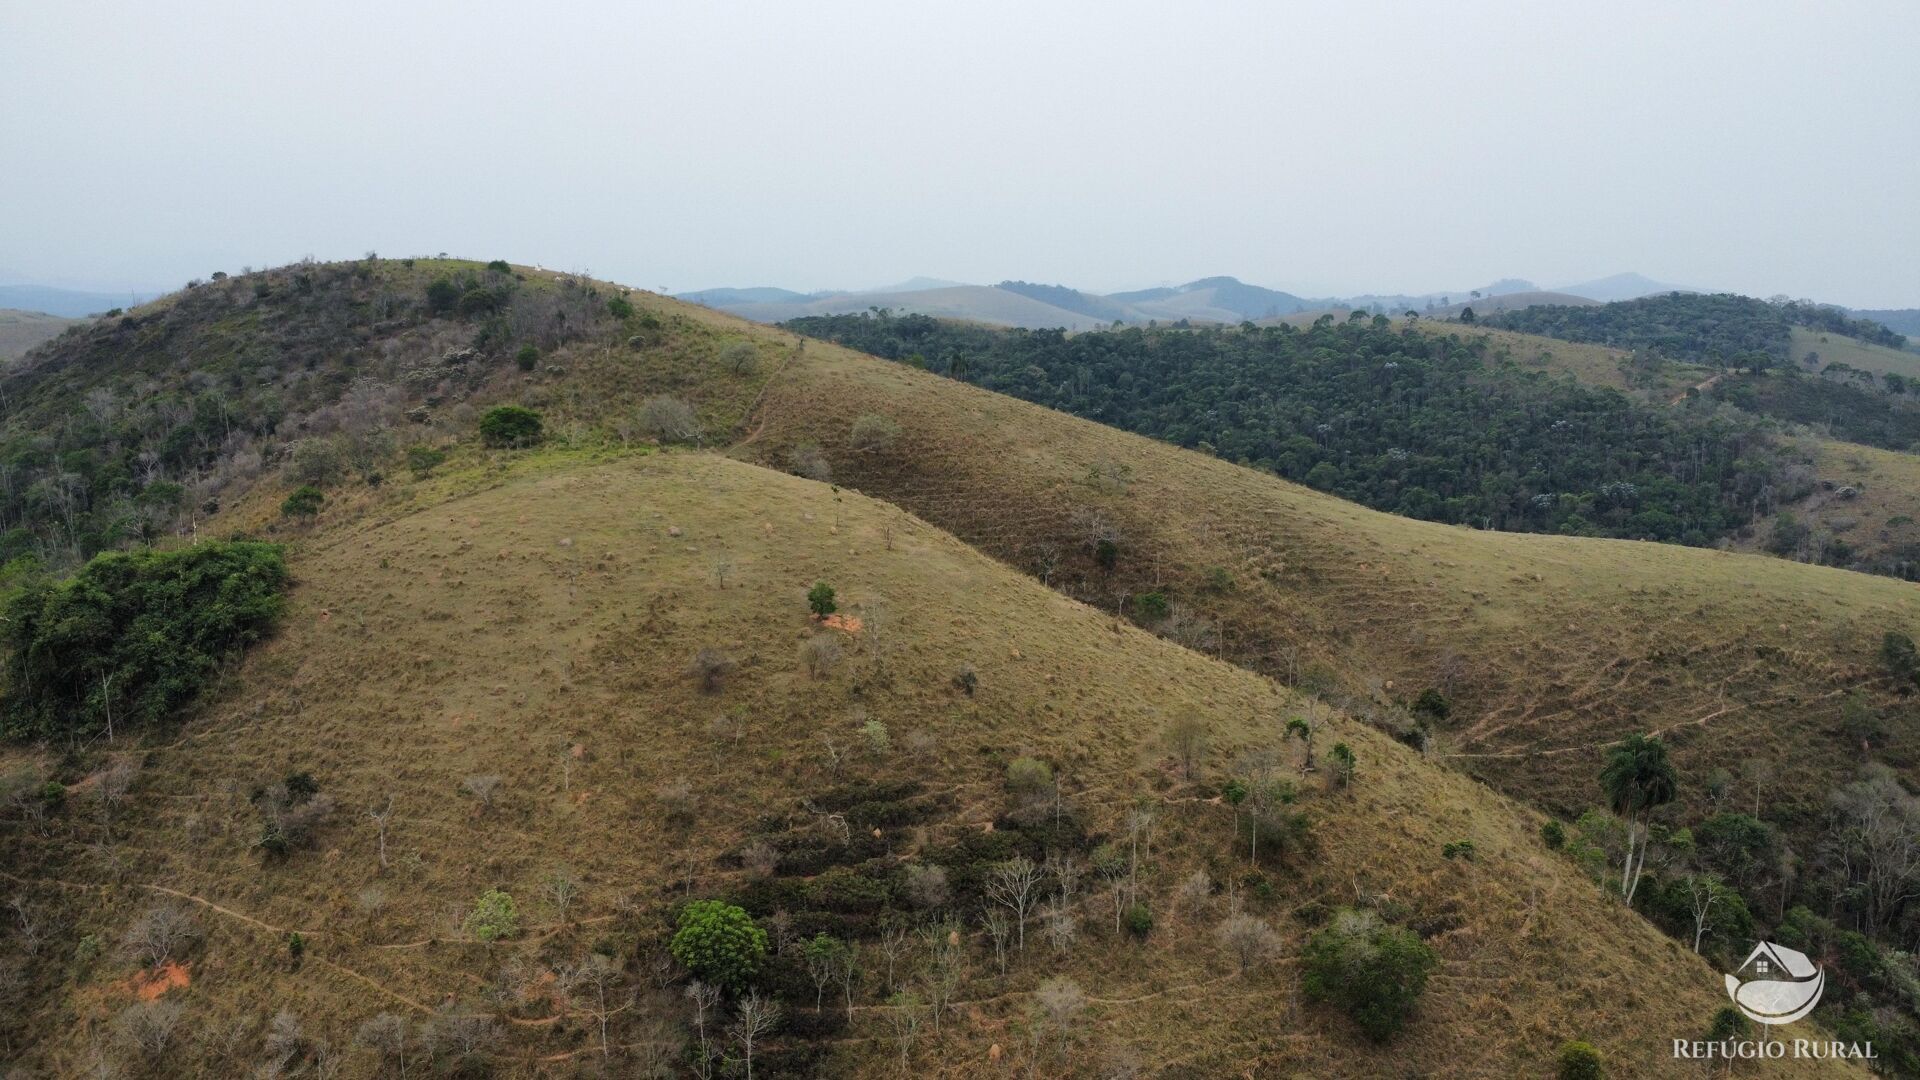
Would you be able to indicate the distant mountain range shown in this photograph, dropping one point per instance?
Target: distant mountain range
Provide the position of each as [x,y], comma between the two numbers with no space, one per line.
[1210,300]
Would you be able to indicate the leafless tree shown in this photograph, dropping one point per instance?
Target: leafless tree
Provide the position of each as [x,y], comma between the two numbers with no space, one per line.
[590,982]
[836,754]
[999,928]
[1061,1002]
[705,1001]
[483,786]
[753,1018]
[1248,940]
[849,973]
[926,886]
[30,929]
[112,787]
[1059,926]
[904,1015]
[893,944]
[562,888]
[161,933]
[819,655]
[1015,885]
[669,420]
[381,818]
[759,859]
[386,1035]
[148,1027]
[284,1043]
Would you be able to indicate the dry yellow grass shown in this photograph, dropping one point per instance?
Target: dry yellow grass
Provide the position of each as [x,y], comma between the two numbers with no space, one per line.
[493,633]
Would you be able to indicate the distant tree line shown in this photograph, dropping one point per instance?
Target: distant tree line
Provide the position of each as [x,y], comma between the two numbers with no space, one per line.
[1718,328]
[1422,425]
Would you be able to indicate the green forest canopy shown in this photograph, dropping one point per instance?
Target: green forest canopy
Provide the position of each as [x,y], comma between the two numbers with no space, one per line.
[1417,424]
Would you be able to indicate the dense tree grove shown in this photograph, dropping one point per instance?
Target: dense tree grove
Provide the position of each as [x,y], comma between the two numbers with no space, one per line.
[1422,425]
[1720,328]
[133,636]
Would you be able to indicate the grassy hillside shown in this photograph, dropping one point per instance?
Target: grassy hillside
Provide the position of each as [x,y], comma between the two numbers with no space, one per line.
[532,616]
[1829,348]
[538,632]
[22,330]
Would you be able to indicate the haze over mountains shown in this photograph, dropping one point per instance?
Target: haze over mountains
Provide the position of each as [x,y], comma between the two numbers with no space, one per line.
[1211,299]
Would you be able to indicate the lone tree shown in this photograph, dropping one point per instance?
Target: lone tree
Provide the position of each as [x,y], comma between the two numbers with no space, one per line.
[719,943]
[1372,970]
[1637,778]
[820,600]
[507,426]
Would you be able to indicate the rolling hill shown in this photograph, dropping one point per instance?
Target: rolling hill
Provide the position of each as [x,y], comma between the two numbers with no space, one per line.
[22,330]
[530,616]
[1627,286]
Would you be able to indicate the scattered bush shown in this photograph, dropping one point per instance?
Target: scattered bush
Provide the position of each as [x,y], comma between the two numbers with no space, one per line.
[709,666]
[873,433]
[819,655]
[1151,607]
[505,426]
[1138,920]
[718,943]
[442,295]
[423,459]
[134,635]
[1898,654]
[161,933]
[1553,834]
[527,358]
[878,739]
[808,461]
[1374,971]
[966,680]
[1432,705]
[494,917]
[620,308]
[1458,849]
[290,810]
[820,599]
[1580,1061]
[305,501]
[740,358]
[500,266]
[669,420]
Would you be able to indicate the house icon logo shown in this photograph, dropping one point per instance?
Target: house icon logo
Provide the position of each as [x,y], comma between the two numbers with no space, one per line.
[1776,985]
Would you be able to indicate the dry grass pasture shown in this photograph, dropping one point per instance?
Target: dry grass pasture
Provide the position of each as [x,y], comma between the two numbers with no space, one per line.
[538,631]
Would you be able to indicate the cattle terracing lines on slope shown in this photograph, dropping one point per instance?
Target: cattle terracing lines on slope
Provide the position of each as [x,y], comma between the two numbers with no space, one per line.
[540,631]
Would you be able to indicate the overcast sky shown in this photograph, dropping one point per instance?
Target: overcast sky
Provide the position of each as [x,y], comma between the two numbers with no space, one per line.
[1325,149]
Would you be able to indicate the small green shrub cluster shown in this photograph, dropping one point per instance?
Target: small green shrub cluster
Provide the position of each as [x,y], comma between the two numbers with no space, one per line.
[1372,970]
[505,426]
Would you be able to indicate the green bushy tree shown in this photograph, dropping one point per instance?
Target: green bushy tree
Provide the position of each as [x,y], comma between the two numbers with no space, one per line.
[1372,970]
[719,943]
[510,425]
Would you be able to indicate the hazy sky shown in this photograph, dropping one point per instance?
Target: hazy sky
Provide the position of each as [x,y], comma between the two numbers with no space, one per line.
[1322,148]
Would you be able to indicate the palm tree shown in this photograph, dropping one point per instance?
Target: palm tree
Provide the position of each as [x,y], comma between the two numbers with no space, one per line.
[1637,778]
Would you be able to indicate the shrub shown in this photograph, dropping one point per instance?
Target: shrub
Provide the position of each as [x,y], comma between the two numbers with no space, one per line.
[620,308]
[1900,657]
[718,943]
[873,433]
[134,635]
[740,358]
[1728,1024]
[1580,1061]
[1554,835]
[423,459]
[500,266]
[709,666]
[494,917]
[1138,920]
[1432,705]
[1151,607]
[808,461]
[527,358]
[316,461]
[303,502]
[878,739]
[479,301]
[1461,849]
[442,295]
[820,654]
[1029,777]
[1373,971]
[966,680]
[669,420]
[509,425]
[820,599]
